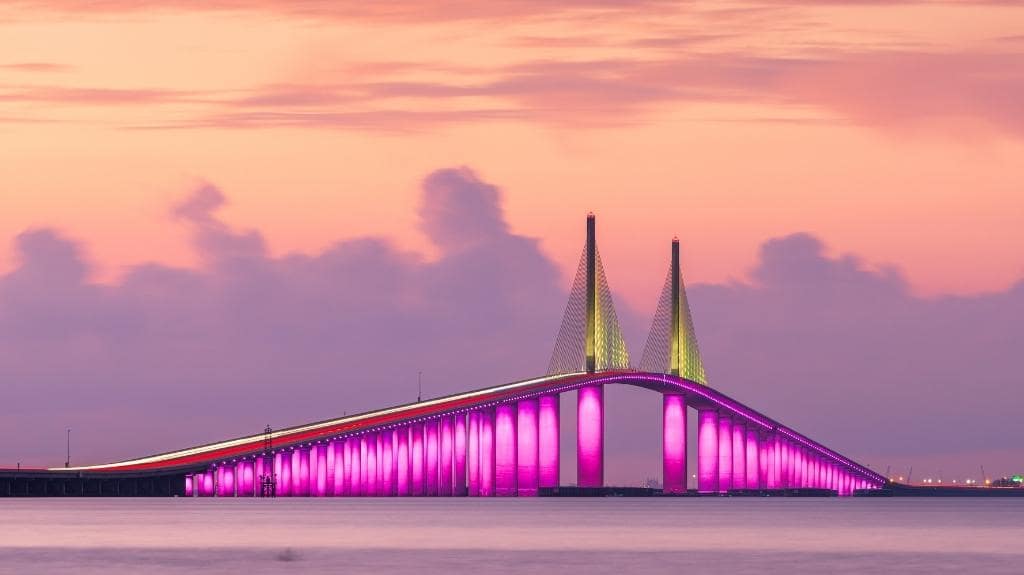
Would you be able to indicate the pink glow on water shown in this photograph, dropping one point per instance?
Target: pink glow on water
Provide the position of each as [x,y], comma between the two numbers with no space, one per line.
[527,448]
[724,453]
[753,463]
[707,450]
[590,436]
[549,436]
[460,454]
[487,453]
[505,450]
[673,441]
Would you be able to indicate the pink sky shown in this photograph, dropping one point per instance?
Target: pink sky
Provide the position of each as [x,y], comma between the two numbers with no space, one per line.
[894,131]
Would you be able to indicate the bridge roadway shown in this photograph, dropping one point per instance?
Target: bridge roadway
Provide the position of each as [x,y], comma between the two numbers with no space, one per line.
[497,441]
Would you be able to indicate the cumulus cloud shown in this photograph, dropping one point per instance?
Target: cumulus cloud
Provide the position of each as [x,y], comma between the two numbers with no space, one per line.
[168,357]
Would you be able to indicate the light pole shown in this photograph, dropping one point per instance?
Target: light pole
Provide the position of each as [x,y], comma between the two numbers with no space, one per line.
[67,462]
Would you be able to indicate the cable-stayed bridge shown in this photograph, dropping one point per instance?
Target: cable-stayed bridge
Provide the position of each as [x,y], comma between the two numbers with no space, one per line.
[501,440]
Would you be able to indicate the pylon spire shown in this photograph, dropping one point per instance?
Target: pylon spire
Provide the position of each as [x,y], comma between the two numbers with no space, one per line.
[590,338]
[672,342]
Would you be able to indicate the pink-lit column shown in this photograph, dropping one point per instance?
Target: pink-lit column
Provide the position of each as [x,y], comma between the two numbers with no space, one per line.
[417,458]
[783,463]
[739,455]
[505,450]
[459,445]
[379,444]
[403,484]
[330,451]
[300,472]
[773,466]
[314,468]
[446,466]
[548,451]
[798,472]
[673,443]
[527,448]
[762,460]
[433,446]
[487,456]
[753,465]
[388,455]
[245,478]
[348,453]
[189,491]
[707,450]
[336,468]
[590,436]
[372,472]
[281,486]
[206,487]
[724,453]
[318,480]
[473,456]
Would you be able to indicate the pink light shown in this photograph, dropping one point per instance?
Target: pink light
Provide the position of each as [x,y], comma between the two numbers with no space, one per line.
[739,456]
[505,449]
[753,463]
[527,448]
[473,457]
[188,486]
[460,454]
[388,461]
[548,422]
[673,424]
[416,435]
[487,455]
[404,484]
[433,453]
[590,436]
[724,453]
[446,466]
[707,450]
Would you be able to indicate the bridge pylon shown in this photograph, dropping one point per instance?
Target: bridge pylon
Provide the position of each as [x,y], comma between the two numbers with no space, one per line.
[672,342]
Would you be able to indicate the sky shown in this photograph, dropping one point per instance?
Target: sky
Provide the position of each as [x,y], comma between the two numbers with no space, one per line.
[238,212]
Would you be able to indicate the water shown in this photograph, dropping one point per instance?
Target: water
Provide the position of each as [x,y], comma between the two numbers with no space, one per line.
[453,536]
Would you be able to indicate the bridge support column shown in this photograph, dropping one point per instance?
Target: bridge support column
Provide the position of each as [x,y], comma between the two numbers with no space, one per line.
[403,486]
[724,453]
[773,461]
[753,466]
[548,451]
[206,484]
[762,460]
[418,459]
[739,455]
[487,453]
[784,463]
[459,445]
[505,450]
[527,448]
[590,436]
[707,450]
[330,452]
[379,441]
[300,472]
[447,461]
[433,453]
[473,456]
[388,457]
[245,478]
[317,471]
[673,443]
[369,471]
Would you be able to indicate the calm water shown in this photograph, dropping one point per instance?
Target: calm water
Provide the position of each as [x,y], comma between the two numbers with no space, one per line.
[452,536]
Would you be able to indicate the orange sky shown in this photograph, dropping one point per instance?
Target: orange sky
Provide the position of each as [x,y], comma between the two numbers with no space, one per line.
[896,133]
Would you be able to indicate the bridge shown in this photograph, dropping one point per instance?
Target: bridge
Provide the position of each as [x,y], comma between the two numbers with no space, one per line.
[502,440]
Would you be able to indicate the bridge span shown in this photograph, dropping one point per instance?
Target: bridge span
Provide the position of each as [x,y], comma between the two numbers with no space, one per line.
[501,440]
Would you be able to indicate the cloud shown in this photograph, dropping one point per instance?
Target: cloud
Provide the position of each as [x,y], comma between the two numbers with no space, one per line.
[169,357]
